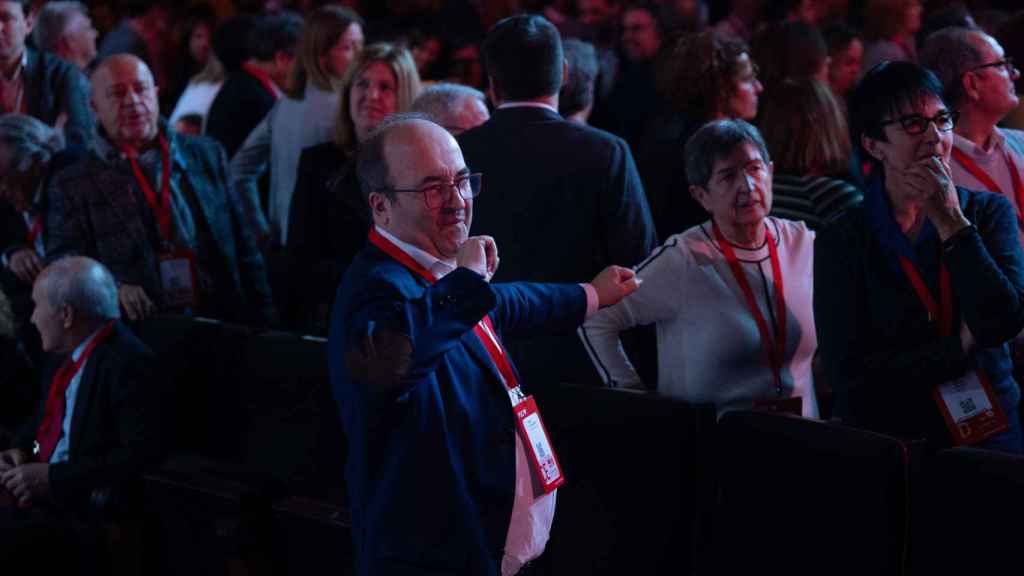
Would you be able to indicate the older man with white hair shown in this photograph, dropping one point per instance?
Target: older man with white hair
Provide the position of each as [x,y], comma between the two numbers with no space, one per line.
[64,29]
[100,419]
[455,107]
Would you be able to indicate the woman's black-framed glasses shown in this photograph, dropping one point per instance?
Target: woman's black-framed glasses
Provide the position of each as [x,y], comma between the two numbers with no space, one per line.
[437,194]
[915,124]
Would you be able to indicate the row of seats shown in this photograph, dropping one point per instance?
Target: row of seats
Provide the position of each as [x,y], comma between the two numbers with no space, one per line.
[254,482]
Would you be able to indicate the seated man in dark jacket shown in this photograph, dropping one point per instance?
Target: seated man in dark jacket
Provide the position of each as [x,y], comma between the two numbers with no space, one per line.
[99,421]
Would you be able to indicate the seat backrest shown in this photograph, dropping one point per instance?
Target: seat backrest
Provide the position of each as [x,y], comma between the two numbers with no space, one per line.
[293,432]
[971,505]
[631,459]
[809,497]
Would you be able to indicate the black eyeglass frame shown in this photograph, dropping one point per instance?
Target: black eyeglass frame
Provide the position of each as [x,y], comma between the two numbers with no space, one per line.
[474,180]
[908,122]
[1006,63]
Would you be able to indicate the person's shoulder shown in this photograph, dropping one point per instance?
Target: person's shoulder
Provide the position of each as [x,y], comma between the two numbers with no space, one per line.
[978,204]
[1014,139]
[125,347]
[197,144]
[845,228]
[77,166]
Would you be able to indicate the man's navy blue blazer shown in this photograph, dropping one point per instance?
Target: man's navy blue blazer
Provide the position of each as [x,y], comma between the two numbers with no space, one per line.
[431,466]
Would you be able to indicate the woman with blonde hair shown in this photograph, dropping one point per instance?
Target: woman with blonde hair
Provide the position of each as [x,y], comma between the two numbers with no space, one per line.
[331,39]
[809,142]
[329,220]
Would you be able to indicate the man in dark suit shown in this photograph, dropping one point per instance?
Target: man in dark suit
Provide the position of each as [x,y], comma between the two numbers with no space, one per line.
[563,200]
[40,84]
[250,91]
[438,478]
[99,422]
[152,206]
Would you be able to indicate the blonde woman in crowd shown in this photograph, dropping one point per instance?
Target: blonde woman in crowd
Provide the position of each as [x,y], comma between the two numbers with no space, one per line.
[331,40]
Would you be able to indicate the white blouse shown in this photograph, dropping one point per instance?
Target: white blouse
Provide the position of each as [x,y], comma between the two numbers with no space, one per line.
[709,347]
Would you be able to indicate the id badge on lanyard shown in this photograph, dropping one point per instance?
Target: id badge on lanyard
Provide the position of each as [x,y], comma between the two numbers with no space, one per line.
[967,404]
[178,278]
[532,432]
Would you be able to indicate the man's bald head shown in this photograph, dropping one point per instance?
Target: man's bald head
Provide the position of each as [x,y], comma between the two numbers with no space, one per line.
[73,296]
[417,185]
[124,97]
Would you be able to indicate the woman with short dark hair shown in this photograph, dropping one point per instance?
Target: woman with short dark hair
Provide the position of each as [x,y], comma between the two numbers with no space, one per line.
[918,290]
[730,298]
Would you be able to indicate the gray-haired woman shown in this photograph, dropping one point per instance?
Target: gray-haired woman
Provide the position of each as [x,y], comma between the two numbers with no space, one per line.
[731,298]
[29,152]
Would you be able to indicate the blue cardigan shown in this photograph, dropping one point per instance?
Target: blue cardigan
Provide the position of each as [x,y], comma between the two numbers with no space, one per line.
[431,465]
[882,355]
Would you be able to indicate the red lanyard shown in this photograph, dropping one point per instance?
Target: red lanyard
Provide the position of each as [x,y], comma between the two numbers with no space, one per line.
[945,315]
[484,330]
[161,206]
[263,78]
[35,230]
[775,354]
[49,430]
[988,182]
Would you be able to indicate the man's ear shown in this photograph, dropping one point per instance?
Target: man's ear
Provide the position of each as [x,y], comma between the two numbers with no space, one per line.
[700,194]
[380,208]
[969,84]
[565,72]
[67,316]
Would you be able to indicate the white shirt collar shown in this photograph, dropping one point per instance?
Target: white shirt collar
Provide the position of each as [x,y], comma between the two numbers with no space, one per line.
[965,145]
[528,105]
[439,268]
[81,347]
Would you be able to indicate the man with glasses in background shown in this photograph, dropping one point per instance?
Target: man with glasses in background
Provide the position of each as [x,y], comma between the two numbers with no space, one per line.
[446,474]
[979,83]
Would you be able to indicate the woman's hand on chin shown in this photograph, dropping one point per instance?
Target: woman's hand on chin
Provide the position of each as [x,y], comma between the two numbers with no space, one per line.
[931,180]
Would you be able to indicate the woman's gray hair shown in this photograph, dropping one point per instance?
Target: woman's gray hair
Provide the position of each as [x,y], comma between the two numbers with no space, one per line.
[85,285]
[714,141]
[28,142]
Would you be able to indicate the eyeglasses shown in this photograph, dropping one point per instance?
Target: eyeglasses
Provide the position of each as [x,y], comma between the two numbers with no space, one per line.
[915,124]
[438,194]
[1006,63]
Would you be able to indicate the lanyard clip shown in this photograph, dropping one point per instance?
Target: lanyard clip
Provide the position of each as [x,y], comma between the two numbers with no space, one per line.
[516,395]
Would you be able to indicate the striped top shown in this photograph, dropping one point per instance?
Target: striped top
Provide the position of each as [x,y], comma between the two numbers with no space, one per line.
[816,200]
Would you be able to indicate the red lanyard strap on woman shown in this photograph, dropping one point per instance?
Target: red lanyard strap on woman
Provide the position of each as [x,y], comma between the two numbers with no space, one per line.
[775,354]
[48,433]
[988,182]
[161,205]
[943,315]
[484,330]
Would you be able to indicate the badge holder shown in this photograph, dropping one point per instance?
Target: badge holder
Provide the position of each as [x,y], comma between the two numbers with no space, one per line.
[970,409]
[178,275]
[535,439]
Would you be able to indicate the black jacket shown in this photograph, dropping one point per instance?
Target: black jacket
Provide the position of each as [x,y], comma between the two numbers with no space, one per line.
[239,106]
[563,201]
[116,427]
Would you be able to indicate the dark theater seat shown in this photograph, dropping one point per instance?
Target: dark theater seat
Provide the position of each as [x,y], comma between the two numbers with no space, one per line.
[636,474]
[257,433]
[803,496]
[971,521]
